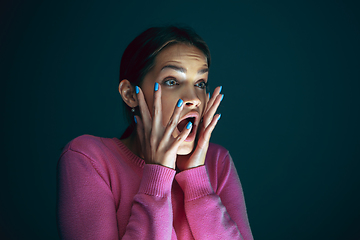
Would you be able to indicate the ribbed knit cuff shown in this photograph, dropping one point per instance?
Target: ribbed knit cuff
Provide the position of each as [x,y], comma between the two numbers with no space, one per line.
[195,183]
[157,180]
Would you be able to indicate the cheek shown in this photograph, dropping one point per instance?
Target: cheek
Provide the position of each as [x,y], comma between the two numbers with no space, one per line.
[168,107]
[203,99]
[149,100]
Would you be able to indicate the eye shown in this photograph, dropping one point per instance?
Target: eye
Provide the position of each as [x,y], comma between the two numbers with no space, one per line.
[202,85]
[171,82]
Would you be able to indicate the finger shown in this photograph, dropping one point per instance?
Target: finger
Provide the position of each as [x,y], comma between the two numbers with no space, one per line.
[212,99]
[212,110]
[205,138]
[207,102]
[174,120]
[144,111]
[157,128]
[182,136]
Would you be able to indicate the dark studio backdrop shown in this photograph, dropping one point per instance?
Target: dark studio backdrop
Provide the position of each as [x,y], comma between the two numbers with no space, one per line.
[290,115]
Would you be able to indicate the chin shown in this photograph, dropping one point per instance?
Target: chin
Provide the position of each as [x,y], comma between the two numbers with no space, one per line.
[185,148]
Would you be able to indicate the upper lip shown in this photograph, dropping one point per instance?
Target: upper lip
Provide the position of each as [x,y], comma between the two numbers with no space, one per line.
[191,114]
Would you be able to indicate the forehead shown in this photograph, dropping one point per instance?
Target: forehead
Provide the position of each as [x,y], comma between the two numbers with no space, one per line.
[182,54]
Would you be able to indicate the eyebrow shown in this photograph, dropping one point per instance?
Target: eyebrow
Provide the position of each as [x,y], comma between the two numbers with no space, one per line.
[183,70]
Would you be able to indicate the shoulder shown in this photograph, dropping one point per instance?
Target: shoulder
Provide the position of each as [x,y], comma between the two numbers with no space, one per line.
[217,157]
[87,145]
[216,151]
[85,142]
[86,157]
[219,165]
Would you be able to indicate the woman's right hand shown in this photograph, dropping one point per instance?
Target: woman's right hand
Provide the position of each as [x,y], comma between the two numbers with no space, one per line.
[157,143]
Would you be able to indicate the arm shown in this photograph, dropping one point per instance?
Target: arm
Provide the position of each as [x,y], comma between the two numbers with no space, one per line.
[86,206]
[215,215]
[151,213]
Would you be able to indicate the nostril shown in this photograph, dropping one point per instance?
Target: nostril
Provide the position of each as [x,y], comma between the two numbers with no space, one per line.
[192,103]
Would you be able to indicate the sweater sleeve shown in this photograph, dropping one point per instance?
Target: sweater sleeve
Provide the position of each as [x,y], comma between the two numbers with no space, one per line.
[151,213]
[86,208]
[219,214]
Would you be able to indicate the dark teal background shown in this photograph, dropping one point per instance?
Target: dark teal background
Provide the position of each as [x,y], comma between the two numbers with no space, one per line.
[290,73]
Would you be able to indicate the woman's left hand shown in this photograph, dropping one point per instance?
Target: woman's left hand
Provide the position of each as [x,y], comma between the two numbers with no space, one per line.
[197,157]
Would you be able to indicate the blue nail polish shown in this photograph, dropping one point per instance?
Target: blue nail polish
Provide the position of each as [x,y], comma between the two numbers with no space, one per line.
[135,119]
[219,117]
[222,97]
[220,89]
[137,89]
[179,103]
[209,95]
[188,126]
[156,86]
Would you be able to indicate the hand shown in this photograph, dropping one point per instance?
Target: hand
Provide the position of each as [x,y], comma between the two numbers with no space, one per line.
[197,157]
[157,143]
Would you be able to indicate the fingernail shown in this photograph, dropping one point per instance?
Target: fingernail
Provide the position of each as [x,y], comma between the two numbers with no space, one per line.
[222,97]
[188,126]
[220,89]
[135,119]
[219,117]
[156,86]
[137,89]
[179,103]
[209,95]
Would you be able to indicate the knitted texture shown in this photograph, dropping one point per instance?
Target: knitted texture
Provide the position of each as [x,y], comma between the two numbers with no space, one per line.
[107,192]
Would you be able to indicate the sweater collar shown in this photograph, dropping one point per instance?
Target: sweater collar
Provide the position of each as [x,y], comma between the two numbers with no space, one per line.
[128,153]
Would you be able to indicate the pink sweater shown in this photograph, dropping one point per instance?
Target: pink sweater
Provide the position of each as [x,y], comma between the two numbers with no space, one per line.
[107,192]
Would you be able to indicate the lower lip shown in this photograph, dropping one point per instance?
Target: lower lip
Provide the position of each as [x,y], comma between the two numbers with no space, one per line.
[191,136]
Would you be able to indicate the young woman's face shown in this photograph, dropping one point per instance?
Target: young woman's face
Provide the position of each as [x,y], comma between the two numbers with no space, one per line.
[182,72]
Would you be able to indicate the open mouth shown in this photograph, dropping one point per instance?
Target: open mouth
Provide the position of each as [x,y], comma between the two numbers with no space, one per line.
[182,124]
[192,116]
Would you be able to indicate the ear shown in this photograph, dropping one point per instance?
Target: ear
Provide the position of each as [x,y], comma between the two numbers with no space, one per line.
[128,94]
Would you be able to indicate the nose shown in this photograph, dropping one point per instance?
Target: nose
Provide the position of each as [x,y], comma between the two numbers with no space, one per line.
[191,99]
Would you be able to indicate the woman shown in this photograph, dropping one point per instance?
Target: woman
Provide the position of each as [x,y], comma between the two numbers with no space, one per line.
[162,179]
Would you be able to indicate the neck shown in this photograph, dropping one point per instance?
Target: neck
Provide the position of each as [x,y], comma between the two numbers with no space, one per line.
[132,142]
